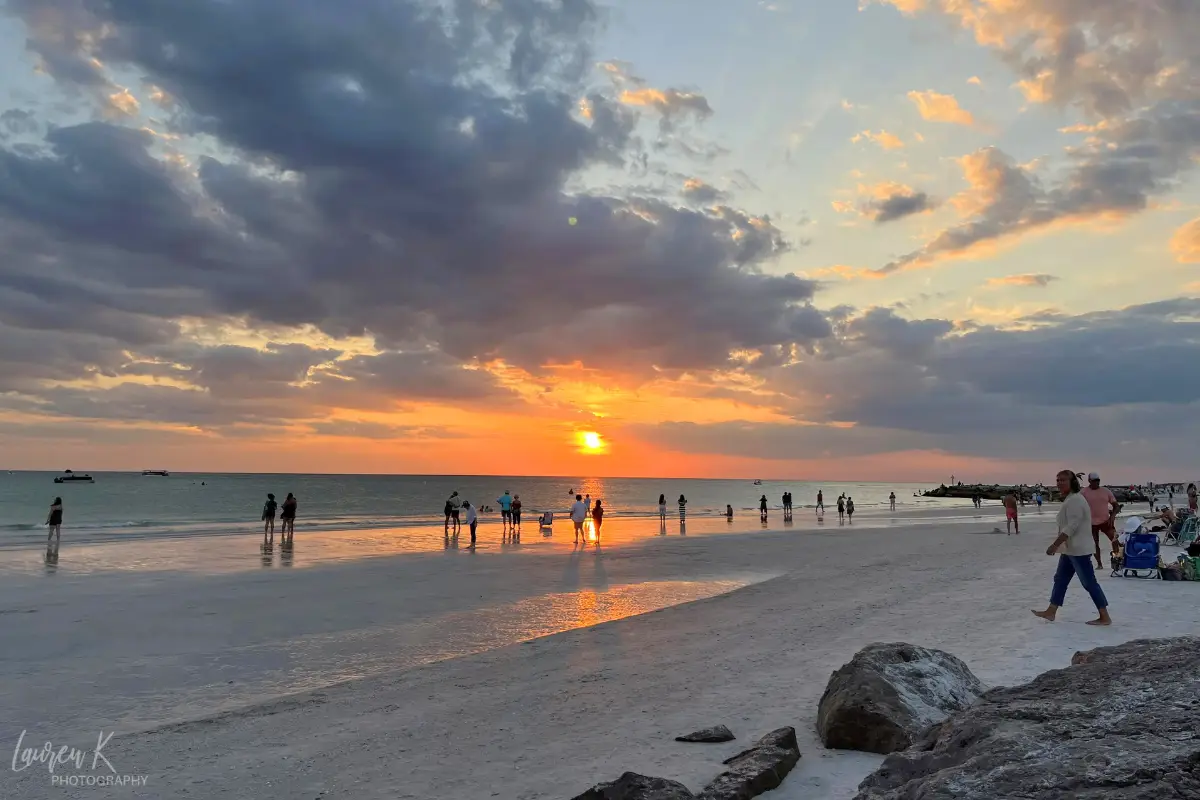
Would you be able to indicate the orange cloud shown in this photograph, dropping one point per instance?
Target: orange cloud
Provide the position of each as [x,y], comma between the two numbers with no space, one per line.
[847,273]
[1186,243]
[1022,280]
[888,141]
[123,103]
[938,107]
[975,80]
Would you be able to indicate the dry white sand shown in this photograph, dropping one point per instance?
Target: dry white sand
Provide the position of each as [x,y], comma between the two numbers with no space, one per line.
[140,648]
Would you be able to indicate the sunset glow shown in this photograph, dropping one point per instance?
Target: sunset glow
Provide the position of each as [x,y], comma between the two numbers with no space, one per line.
[906,266]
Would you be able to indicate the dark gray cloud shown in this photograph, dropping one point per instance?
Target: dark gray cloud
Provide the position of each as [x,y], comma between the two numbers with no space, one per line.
[1106,388]
[899,205]
[416,192]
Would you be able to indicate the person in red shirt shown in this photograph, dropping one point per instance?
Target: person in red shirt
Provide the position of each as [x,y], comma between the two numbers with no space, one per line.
[1104,506]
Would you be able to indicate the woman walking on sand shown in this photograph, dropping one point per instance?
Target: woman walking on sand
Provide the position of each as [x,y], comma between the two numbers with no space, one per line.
[1075,540]
[662,508]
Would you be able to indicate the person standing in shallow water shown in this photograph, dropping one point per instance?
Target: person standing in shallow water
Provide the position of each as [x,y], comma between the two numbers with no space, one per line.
[841,509]
[762,507]
[268,515]
[850,509]
[662,508]
[598,518]
[820,502]
[682,508]
[1076,546]
[287,517]
[54,521]
[892,500]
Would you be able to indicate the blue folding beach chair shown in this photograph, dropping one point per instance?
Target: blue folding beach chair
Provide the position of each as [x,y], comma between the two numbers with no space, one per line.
[1141,555]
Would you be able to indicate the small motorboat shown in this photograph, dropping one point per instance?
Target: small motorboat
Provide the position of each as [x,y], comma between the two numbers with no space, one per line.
[71,477]
[162,473]
[758,483]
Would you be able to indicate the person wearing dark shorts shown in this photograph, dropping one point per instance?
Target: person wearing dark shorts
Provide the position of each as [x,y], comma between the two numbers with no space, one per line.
[1104,508]
[453,504]
[268,515]
[516,511]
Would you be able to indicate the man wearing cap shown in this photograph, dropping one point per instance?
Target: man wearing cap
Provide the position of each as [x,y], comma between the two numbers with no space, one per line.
[1104,506]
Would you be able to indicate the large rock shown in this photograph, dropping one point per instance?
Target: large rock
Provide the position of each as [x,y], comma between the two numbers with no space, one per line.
[889,694]
[632,786]
[715,734]
[1122,724]
[757,770]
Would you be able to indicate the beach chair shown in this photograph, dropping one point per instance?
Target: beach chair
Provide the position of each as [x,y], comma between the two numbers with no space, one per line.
[1141,555]
[1183,532]
[546,520]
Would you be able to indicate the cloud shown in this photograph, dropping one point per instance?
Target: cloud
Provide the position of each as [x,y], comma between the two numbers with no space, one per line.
[1029,393]
[698,191]
[1186,243]
[937,107]
[1133,71]
[975,80]
[887,202]
[418,197]
[1022,280]
[888,141]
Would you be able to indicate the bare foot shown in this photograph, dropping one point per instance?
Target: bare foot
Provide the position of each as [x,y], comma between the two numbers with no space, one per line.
[1046,615]
[1102,621]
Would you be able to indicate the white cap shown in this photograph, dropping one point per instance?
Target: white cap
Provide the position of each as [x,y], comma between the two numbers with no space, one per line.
[1093,476]
[1133,524]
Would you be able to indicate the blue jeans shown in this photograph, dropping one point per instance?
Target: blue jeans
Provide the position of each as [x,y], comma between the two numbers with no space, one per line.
[1068,568]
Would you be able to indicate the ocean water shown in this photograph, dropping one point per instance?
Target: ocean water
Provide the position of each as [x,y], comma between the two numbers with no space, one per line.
[121,506]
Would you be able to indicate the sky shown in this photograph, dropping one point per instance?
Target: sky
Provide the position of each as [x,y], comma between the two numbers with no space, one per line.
[810,239]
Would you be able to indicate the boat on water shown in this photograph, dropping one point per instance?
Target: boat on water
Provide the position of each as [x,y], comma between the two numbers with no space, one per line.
[758,483]
[162,473]
[71,477]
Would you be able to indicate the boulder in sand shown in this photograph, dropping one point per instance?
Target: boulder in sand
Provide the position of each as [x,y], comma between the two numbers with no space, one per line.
[889,694]
[632,786]
[757,770]
[717,733]
[1120,724]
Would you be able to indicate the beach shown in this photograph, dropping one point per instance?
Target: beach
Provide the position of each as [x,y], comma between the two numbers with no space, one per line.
[528,671]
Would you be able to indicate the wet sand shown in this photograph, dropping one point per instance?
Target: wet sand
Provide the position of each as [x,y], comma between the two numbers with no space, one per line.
[417,676]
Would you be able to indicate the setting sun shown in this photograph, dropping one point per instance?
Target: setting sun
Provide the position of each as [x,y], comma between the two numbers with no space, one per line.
[591,442]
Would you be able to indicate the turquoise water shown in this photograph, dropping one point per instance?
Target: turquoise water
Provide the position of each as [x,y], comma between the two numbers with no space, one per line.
[121,506]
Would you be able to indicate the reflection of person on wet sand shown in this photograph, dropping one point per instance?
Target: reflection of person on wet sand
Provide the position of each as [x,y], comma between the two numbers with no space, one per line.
[1075,541]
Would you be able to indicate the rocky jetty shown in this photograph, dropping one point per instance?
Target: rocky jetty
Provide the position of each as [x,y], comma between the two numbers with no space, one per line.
[889,694]
[995,491]
[1120,724]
